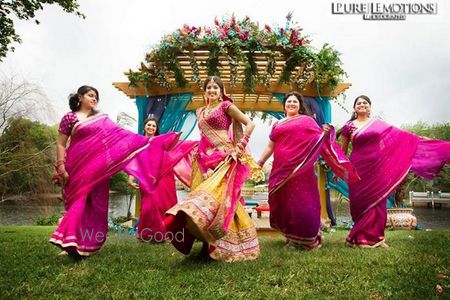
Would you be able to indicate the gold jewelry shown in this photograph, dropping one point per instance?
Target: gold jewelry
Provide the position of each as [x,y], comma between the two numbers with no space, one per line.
[58,163]
[209,108]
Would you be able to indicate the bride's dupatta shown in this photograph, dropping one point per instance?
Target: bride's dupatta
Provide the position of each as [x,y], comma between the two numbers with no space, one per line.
[213,207]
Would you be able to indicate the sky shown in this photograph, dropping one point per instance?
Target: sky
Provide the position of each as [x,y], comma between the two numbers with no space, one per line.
[403,66]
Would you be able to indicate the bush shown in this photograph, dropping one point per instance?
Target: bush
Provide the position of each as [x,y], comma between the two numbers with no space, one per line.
[47,221]
[442,181]
[26,157]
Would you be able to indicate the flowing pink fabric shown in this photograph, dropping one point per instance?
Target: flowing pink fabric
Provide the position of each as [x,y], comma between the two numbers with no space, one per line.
[383,154]
[215,148]
[163,195]
[293,192]
[99,149]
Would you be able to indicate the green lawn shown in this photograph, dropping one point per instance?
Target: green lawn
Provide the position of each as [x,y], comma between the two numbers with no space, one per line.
[124,268]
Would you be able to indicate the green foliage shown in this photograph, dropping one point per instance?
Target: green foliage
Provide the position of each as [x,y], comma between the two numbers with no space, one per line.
[25,10]
[301,56]
[48,221]
[26,157]
[328,68]
[119,182]
[442,181]
[239,41]
[439,131]
[127,269]
[119,220]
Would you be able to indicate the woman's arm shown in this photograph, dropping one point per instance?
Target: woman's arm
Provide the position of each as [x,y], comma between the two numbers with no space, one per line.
[61,143]
[132,183]
[238,115]
[344,145]
[268,151]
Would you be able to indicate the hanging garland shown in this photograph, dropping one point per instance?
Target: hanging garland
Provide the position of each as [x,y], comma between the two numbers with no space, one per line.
[238,41]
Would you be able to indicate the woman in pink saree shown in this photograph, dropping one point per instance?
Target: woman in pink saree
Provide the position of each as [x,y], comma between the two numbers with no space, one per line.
[163,196]
[296,143]
[382,155]
[213,211]
[98,149]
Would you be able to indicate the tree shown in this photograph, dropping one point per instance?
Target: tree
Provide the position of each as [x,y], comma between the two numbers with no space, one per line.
[119,182]
[26,155]
[124,120]
[442,181]
[26,146]
[25,10]
[21,98]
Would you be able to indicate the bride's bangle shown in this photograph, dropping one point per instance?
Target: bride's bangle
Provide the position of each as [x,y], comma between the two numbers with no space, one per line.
[244,140]
[58,163]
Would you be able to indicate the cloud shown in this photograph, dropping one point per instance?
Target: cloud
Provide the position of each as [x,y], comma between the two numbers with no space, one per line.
[402,65]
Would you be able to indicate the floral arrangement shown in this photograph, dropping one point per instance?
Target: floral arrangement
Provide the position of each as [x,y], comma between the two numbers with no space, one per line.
[239,41]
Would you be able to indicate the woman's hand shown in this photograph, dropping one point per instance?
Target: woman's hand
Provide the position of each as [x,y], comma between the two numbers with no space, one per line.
[133,183]
[240,147]
[260,163]
[335,179]
[326,129]
[62,175]
[237,151]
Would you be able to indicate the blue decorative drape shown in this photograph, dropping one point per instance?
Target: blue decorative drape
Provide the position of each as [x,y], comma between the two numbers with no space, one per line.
[277,114]
[315,109]
[170,111]
[156,106]
[186,124]
[172,118]
[325,107]
[320,108]
[141,104]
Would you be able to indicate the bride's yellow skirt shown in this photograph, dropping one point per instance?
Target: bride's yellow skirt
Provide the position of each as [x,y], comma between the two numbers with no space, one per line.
[206,208]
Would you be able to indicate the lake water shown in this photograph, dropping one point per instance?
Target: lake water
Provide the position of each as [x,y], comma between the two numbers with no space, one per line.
[27,211]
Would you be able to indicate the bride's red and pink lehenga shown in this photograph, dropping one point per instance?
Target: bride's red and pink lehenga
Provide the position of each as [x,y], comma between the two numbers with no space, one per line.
[214,210]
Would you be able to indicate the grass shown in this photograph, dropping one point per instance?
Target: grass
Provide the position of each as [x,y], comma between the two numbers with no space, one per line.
[124,268]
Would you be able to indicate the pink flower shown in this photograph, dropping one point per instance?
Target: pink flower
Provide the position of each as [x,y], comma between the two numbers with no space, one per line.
[216,21]
[294,37]
[244,36]
[232,21]
[268,29]
[196,30]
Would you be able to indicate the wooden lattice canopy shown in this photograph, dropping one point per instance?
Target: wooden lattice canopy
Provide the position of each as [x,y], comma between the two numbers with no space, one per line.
[189,52]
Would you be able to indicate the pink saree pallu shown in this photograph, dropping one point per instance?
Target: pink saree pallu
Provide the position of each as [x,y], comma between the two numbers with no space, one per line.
[163,196]
[98,149]
[213,211]
[382,155]
[293,191]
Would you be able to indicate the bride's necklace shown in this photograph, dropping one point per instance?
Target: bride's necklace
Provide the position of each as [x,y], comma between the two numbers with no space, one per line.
[209,108]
